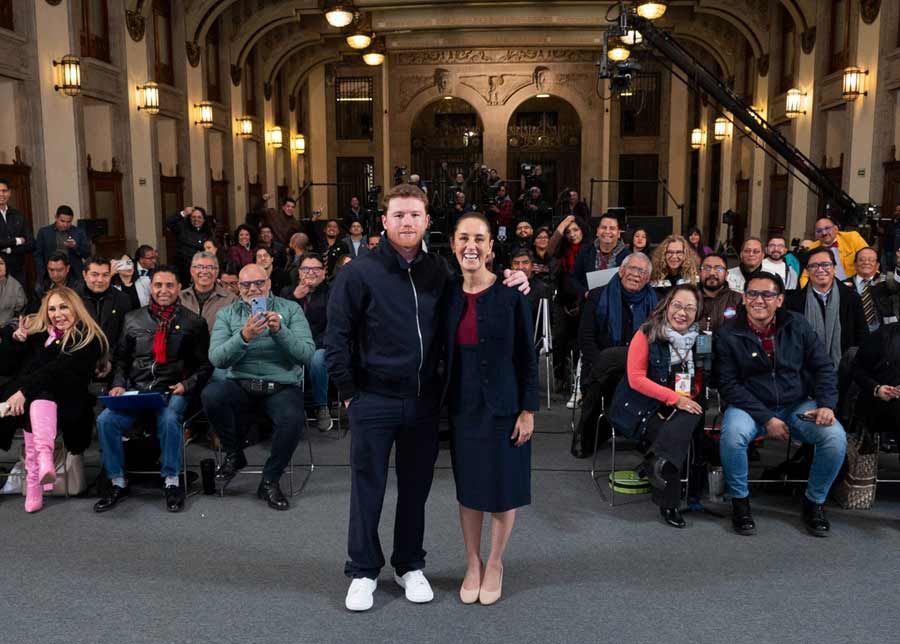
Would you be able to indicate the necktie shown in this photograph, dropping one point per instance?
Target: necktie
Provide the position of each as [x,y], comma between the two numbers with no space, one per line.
[869,303]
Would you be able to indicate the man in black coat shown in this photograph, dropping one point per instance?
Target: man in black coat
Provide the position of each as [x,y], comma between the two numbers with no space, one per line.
[106,305]
[61,237]
[59,273]
[163,348]
[16,239]
[191,229]
[876,370]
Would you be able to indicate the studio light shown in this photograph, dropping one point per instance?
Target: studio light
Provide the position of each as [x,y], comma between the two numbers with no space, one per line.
[632,37]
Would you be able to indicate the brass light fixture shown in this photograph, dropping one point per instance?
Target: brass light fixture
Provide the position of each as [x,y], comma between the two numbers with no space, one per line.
[359,38]
[204,114]
[244,127]
[275,137]
[617,51]
[298,144]
[652,9]
[721,128]
[793,105]
[853,83]
[148,97]
[339,15]
[373,57]
[698,138]
[68,75]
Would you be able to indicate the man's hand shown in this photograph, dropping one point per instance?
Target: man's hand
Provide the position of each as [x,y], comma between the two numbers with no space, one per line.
[254,327]
[187,211]
[302,290]
[177,390]
[117,391]
[775,428]
[273,321]
[821,416]
[888,393]
[103,370]
[70,243]
[516,279]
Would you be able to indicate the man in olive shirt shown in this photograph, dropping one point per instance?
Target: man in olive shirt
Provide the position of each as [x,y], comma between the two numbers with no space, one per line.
[205,296]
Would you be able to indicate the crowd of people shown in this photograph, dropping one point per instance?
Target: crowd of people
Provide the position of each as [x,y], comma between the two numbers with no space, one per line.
[651,332]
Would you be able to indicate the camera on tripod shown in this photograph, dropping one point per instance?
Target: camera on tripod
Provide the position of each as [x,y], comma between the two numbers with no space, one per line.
[400,174]
[526,169]
[372,198]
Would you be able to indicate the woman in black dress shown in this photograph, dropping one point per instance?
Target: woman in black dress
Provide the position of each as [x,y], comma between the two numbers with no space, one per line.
[58,349]
[493,394]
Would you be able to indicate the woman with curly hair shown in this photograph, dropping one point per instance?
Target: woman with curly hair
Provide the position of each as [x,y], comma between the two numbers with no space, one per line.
[674,262]
[241,253]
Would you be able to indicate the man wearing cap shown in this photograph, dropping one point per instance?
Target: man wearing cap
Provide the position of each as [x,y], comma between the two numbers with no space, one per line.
[61,236]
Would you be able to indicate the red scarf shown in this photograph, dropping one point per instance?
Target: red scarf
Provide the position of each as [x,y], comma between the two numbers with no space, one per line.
[569,255]
[163,315]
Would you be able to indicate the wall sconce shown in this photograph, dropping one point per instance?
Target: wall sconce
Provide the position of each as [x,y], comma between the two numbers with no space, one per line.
[721,128]
[617,51]
[340,15]
[68,75]
[853,83]
[651,10]
[244,127]
[632,37]
[373,57]
[698,138]
[298,144]
[793,105]
[148,97]
[274,137]
[204,114]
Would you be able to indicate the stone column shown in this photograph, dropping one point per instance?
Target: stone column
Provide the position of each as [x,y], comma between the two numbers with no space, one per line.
[679,134]
[199,161]
[317,138]
[238,178]
[801,203]
[865,149]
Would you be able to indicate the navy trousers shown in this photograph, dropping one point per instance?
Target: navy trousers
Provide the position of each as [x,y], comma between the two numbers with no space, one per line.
[377,423]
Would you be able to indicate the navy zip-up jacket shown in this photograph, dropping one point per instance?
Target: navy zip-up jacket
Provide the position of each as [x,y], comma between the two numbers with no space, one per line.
[384,331]
[748,380]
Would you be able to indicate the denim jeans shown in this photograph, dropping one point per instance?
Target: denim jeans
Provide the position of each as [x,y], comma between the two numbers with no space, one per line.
[739,430]
[318,373]
[111,424]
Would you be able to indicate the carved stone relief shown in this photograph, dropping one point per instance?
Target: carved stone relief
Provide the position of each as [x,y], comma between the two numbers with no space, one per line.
[808,40]
[497,89]
[467,56]
[412,86]
[236,75]
[135,22]
[868,9]
[192,50]
[582,84]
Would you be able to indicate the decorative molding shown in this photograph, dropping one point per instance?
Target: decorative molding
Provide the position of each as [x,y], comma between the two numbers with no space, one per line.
[762,65]
[497,89]
[236,75]
[808,40]
[468,56]
[267,90]
[136,22]
[192,49]
[582,84]
[54,3]
[412,86]
[868,10]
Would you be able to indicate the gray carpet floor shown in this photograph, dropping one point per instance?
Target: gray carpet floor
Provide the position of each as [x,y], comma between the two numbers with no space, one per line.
[231,570]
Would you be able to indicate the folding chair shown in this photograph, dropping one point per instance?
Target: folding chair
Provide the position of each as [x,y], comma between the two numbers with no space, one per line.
[257,470]
[183,473]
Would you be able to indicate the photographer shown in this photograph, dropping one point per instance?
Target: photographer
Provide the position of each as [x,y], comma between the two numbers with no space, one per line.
[531,206]
[532,177]
[500,208]
[575,206]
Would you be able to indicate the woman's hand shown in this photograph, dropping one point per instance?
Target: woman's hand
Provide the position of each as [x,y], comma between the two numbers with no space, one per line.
[690,406]
[524,428]
[561,228]
[20,334]
[16,404]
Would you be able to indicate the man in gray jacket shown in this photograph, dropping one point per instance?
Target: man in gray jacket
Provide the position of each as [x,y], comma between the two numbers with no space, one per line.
[263,353]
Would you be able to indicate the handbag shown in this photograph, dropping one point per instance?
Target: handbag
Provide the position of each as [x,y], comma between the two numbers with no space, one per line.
[857,490]
[69,469]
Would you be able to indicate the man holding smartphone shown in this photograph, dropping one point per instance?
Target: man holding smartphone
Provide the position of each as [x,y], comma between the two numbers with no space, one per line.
[778,381]
[61,236]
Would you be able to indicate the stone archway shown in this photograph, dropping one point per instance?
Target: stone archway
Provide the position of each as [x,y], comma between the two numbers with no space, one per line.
[545,131]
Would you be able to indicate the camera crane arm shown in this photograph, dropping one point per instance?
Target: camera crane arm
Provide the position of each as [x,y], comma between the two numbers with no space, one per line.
[666,45]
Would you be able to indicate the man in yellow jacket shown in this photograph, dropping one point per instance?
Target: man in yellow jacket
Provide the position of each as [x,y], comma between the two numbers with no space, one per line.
[844,246]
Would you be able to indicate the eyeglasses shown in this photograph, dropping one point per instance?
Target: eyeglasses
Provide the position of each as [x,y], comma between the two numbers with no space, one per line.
[712,269]
[208,268]
[311,269]
[674,253]
[636,270]
[824,229]
[768,296]
[752,251]
[820,265]
[678,307]
[252,284]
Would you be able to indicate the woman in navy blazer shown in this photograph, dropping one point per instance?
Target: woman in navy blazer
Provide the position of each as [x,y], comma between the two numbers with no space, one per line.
[492,391]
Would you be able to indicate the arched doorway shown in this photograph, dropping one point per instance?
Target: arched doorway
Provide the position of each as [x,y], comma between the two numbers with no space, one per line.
[448,131]
[547,132]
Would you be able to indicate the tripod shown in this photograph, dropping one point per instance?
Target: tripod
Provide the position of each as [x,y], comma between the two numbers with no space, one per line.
[543,341]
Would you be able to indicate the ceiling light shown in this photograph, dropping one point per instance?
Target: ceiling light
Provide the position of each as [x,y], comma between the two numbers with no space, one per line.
[359,39]
[651,10]
[340,15]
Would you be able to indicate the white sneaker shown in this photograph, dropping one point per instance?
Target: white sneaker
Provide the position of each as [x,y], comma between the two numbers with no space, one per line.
[359,595]
[574,401]
[417,588]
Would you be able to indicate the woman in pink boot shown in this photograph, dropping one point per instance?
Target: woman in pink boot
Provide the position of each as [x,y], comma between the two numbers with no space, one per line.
[58,349]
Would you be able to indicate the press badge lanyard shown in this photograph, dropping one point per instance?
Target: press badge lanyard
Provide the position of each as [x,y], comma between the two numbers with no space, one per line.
[684,377]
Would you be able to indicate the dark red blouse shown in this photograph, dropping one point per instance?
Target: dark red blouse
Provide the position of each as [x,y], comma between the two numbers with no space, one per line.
[467,331]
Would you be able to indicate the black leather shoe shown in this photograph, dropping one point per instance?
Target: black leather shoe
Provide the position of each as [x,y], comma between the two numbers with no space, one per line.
[112,497]
[174,498]
[741,518]
[271,494]
[814,519]
[673,517]
[232,464]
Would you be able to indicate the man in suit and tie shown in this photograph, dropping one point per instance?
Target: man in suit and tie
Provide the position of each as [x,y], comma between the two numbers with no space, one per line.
[16,238]
[145,258]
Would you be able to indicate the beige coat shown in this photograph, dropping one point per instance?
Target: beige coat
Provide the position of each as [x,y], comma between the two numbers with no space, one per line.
[220,298]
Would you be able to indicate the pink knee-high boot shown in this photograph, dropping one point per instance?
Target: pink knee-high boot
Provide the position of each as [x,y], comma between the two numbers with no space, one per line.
[43,426]
[34,494]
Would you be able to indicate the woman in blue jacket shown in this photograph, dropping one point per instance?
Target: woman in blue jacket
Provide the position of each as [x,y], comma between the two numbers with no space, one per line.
[492,393]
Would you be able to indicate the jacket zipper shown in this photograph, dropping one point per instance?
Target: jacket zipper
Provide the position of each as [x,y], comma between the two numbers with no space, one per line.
[419,331]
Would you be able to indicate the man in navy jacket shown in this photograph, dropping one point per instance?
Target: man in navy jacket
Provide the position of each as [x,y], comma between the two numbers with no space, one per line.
[606,251]
[382,347]
[61,236]
[778,381]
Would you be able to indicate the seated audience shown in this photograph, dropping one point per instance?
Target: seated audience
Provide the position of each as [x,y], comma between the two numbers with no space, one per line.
[212,246]
[298,245]
[524,236]
[61,237]
[145,258]
[657,402]
[674,262]
[355,242]
[228,278]
[264,259]
[609,319]
[720,303]
[607,250]
[640,241]
[205,296]
[311,293]
[876,370]
[332,247]
[105,304]
[12,296]
[750,264]
[59,273]
[263,354]
[695,239]
[276,248]
[545,265]
[574,205]
[162,349]
[137,290]
[242,251]
[355,215]
[58,349]
[776,262]
[773,369]
[879,293]
[191,231]
[843,247]
[521,261]
[372,241]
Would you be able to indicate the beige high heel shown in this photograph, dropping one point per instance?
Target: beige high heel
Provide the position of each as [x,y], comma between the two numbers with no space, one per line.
[488,597]
[467,595]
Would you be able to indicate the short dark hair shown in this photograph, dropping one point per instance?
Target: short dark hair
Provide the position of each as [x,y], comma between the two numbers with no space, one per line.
[96,259]
[521,252]
[202,210]
[165,268]
[609,215]
[819,250]
[141,251]
[267,250]
[781,237]
[231,268]
[313,256]
[716,256]
[474,215]
[6,183]
[856,257]
[766,275]
[329,221]
[59,256]
[404,190]
[65,210]
[753,238]
[289,200]
[261,226]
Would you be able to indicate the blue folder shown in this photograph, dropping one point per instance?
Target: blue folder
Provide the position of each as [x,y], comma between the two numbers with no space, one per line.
[134,402]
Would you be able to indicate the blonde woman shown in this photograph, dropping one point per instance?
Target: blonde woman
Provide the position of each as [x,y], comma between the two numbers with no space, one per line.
[674,262]
[58,349]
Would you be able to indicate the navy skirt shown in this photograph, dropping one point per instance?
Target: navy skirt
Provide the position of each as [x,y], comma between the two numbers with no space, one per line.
[491,473]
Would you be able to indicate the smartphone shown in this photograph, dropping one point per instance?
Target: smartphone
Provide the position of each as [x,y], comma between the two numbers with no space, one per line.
[807,417]
[257,306]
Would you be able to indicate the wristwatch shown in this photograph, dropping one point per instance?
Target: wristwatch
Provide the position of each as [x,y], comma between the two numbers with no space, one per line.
[877,387]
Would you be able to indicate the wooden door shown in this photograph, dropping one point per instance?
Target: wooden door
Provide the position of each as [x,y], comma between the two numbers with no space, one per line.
[107,205]
[19,176]
[171,190]
[778,203]
[641,198]
[355,175]
[218,193]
